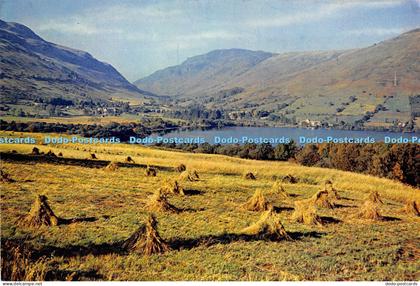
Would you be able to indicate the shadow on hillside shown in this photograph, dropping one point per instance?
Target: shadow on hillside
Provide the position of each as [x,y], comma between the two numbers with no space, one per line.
[78,275]
[66,221]
[78,250]
[209,240]
[390,218]
[193,192]
[329,220]
[343,206]
[278,209]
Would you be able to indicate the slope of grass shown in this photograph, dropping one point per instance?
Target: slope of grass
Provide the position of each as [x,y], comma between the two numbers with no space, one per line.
[350,249]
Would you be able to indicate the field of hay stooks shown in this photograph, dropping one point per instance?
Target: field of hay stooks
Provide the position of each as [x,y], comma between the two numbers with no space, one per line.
[123,212]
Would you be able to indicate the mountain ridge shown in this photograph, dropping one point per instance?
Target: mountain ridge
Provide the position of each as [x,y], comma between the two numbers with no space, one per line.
[32,66]
[373,83]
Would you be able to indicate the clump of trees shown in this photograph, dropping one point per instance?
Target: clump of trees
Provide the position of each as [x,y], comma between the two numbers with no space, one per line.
[121,131]
[395,161]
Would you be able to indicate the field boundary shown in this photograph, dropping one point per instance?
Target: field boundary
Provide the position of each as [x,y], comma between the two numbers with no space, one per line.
[88,163]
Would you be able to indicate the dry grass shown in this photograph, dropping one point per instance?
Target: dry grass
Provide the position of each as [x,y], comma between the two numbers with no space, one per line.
[16,264]
[117,199]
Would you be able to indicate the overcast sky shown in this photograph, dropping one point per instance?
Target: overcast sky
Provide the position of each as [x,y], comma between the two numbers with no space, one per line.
[139,37]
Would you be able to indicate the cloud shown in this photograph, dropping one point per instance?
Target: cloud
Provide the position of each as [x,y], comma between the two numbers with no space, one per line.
[327,10]
[106,19]
[378,31]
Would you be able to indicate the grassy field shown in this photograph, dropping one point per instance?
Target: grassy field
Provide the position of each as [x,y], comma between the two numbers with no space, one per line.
[111,206]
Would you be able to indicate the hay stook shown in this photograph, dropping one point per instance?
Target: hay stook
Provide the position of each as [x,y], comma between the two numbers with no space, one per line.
[332,192]
[411,208]
[40,214]
[146,239]
[375,198]
[290,179]
[257,202]
[250,176]
[112,166]
[129,160]
[191,176]
[305,212]
[5,177]
[173,187]
[150,172]
[369,210]
[321,199]
[181,168]
[268,227]
[159,203]
[278,189]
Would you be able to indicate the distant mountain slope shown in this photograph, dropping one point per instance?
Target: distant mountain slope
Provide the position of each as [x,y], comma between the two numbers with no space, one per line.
[31,66]
[330,85]
[199,73]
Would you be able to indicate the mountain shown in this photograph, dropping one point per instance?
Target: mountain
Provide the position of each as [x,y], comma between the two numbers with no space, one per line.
[325,85]
[203,72]
[32,67]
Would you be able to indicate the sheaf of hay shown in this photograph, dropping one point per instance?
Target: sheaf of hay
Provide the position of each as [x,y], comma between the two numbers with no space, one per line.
[369,210]
[112,166]
[5,177]
[321,199]
[35,151]
[172,187]
[159,203]
[289,179]
[332,192]
[257,202]
[129,160]
[40,214]
[305,212]
[150,172]
[375,198]
[250,176]
[146,239]
[181,168]
[268,226]
[411,208]
[191,176]
[278,189]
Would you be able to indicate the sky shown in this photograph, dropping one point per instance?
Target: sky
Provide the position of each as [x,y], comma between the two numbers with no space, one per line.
[139,37]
